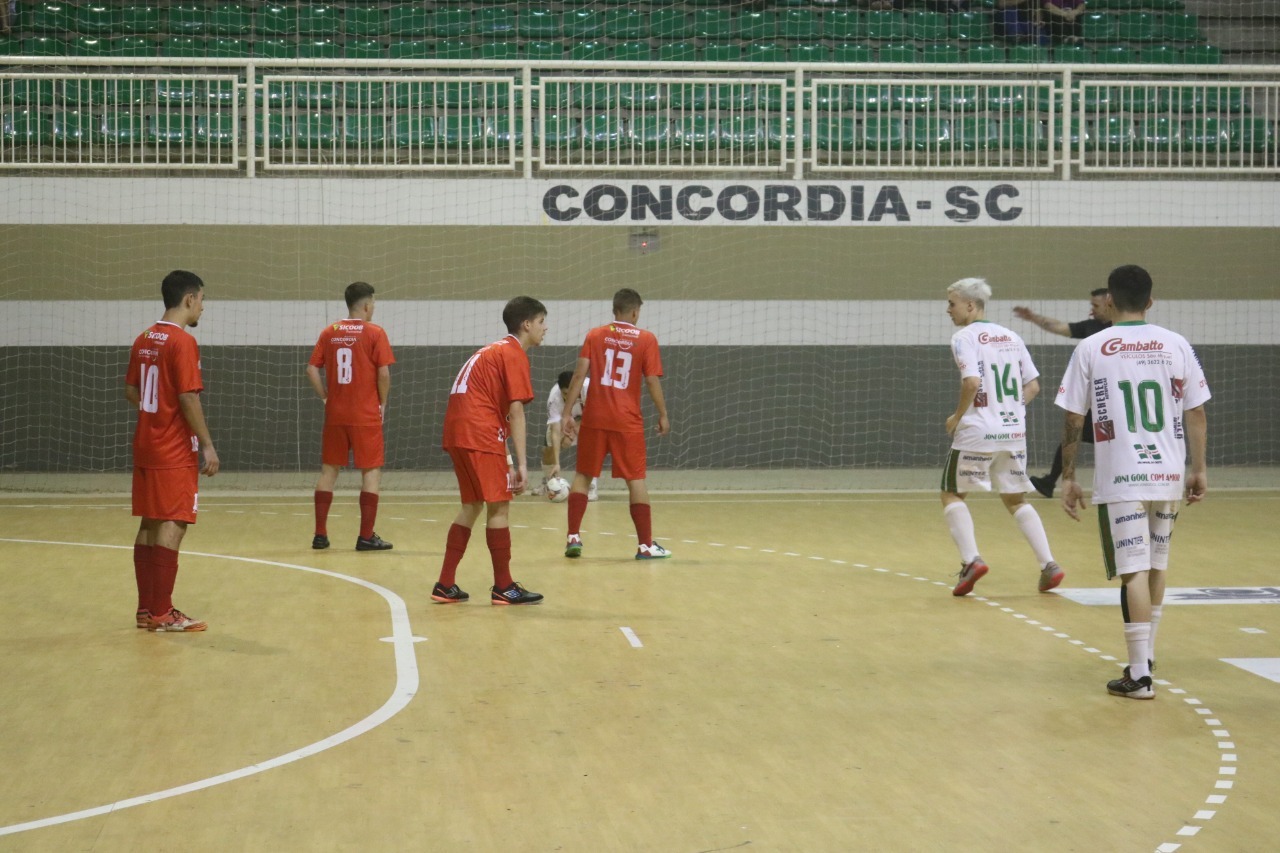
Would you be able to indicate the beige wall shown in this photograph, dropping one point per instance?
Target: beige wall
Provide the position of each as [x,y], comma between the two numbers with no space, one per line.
[453,262]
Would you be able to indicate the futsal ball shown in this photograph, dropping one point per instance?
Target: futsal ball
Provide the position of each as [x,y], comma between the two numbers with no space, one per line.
[557,490]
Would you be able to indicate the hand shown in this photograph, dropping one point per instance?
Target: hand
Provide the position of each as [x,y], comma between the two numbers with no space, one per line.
[210,466]
[664,425]
[952,423]
[1072,498]
[1024,313]
[569,431]
[520,480]
[1197,487]
[555,472]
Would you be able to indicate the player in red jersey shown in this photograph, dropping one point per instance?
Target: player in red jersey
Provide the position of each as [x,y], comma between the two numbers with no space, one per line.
[356,358]
[163,381]
[616,357]
[486,407]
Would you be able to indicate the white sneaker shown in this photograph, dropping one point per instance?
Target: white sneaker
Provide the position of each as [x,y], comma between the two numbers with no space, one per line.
[592,493]
[652,552]
[540,489]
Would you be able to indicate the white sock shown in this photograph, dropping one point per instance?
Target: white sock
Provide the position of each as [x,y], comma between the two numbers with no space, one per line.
[960,523]
[1156,610]
[1033,531]
[1137,636]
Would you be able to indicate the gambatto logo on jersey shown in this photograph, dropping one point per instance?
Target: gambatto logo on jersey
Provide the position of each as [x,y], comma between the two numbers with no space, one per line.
[1118,345]
[986,338]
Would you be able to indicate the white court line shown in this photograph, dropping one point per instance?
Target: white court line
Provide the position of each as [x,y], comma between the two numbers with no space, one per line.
[405,688]
[631,637]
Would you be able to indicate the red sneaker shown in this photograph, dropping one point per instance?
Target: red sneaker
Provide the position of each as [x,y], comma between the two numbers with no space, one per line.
[177,622]
[970,575]
[143,617]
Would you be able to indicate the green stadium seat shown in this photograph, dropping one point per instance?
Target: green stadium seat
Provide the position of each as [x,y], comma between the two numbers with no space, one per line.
[1160,54]
[409,21]
[1225,99]
[89,46]
[140,20]
[1115,133]
[971,26]
[670,24]
[885,26]
[871,97]
[275,48]
[535,51]
[219,93]
[319,48]
[882,133]
[121,128]
[364,131]
[837,134]
[1180,27]
[677,51]
[413,95]
[1137,26]
[229,19]
[714,24]
[651,132]
[1206,135]
[168,93]
[365,20]
[853,53]
[589,51]
[844,25]
[539,23]
[221,47]
[132,46]
[415,49]
[53,18]
[1252,135]
[753,26]
[626,24]
[10,45]
[809,52]
[315,130]
[277,94]
[559,131]
[187,19]
[941,53]
[363,48]
[1114,54]
[915,98]
[633,51]
[170,129]
[957,99]
[277,19]
[26,92]
[1028,53]
[582,23]
[1202,54]
[1023,134]
[496,23]
[1079,134]
[722,52]
[499,50]
[899,53]
[45,46]
[931,134]
[927,26]
[697,132]
[742,133]
[364,95]
[1139,99]
[452,22]
[415,131]
[215,130]
[1159,134]
[25,127]
[604,132]
[1074,53]
[639,96]
[319,19]
[984,52]
[74,128]
[800,24]
[1100,26]
[279,131]
[316,94]
[455,49]
[81,92]
[503,131]
[765,51]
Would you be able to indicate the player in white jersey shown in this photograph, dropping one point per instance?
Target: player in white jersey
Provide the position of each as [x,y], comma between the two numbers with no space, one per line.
[1146,391]
[555,433]
[989,426]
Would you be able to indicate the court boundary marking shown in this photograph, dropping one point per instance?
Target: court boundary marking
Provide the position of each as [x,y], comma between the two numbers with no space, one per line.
[405,689]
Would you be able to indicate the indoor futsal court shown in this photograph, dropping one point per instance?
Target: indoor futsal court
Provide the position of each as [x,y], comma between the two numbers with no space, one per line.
[760,691]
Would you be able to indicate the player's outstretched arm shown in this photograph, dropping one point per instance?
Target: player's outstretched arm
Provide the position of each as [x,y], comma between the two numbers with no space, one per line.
[516,422]
[1072,493]
[384,390]
[969,386]
[571,397]
[654,386]
[1197,441]
[1030,391]
[317,384]
[194,414]
[1047,323]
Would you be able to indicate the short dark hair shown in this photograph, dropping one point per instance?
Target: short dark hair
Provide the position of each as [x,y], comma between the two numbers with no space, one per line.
[1099,291]
[565,377]
[1130,288]
[626,300]
[357,292]
[177,285]
[520,309]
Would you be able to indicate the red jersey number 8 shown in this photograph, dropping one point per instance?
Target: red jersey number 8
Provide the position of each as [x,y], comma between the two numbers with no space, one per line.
[617,370]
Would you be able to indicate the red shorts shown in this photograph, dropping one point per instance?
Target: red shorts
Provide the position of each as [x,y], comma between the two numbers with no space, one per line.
[167,494]
[626,448]
[365,443]
[481,476]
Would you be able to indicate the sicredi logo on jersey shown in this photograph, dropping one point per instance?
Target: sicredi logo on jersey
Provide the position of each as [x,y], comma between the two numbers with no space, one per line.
[1118,345]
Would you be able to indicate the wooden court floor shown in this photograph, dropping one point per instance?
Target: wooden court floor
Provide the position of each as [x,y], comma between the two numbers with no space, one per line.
[797,678]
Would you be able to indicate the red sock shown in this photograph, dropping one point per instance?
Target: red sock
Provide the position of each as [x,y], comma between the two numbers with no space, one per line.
[499,541]
[324,500]
[368,513]
[577,509]
[164,565]
[142,574]
[644,523]
[454,547]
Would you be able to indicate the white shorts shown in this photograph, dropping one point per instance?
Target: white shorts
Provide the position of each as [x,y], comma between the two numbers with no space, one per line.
[967,470]
[1136,534]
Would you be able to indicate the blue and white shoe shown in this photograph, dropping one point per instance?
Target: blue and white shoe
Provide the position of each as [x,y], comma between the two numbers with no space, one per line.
[652,552]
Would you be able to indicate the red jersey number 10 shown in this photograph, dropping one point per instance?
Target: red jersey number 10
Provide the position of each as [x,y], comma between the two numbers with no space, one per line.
[460,384]
[617,370]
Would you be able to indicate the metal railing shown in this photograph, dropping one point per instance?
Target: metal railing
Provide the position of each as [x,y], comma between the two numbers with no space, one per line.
[505,118]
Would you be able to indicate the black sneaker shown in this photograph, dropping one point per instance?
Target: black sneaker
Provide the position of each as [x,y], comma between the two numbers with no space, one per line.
[319,542]
[373,543]
[1043,485]
[1131,689]
[514,594]
[452,595]
[1151,665]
